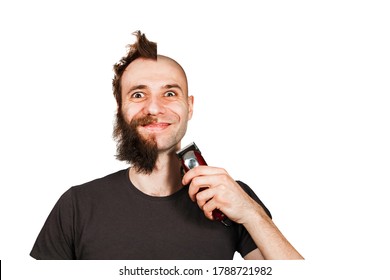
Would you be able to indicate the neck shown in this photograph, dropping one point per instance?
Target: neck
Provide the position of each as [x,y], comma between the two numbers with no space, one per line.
[163,181]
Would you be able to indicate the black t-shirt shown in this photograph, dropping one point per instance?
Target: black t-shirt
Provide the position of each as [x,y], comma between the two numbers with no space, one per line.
[109,219]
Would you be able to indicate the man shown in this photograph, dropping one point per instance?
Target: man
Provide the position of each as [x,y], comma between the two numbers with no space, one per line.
[151,210]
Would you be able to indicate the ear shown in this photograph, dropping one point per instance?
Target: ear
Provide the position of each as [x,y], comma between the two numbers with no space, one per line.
[190,106]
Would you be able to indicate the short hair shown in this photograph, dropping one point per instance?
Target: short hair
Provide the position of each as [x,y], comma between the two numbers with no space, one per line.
[141,48]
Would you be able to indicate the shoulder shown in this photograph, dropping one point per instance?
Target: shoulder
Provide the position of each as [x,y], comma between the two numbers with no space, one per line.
[88,197]
[253,195]
[108,180]
[100,186]
[244,186]
[247,189]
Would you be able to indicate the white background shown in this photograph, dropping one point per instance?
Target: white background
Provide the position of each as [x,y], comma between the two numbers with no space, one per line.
[291,97]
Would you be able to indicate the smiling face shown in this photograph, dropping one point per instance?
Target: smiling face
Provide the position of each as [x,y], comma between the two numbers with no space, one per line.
[155,98]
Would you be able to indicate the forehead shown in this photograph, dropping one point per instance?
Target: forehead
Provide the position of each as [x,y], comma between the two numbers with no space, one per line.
[148,71]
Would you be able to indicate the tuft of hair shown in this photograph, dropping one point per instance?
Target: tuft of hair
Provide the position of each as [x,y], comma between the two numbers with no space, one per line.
[142,47]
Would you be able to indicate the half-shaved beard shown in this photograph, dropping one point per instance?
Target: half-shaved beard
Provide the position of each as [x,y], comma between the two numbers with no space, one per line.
[132,147]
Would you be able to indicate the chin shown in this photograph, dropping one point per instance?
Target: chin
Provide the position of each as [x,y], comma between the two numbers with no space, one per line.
[167,146]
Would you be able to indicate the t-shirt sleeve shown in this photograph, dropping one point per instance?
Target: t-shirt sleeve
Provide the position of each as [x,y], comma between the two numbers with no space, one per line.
[246,243]
[56,239]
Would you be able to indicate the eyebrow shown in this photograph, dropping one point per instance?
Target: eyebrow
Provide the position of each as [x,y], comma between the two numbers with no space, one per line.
[169,86]
[137,87]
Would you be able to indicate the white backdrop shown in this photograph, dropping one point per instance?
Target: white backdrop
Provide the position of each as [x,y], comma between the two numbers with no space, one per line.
[291,97]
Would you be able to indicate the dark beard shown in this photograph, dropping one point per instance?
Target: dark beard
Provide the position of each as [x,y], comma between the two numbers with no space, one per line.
[132,147]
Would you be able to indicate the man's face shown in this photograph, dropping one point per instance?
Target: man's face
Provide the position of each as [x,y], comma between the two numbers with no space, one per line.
[158,91]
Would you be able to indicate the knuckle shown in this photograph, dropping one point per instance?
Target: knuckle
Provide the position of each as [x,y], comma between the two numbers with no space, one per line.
[199,196]
[224,178]
[195,181]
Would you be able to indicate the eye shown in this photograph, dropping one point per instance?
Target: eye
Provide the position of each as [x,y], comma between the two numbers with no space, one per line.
[170,93]
[137,94]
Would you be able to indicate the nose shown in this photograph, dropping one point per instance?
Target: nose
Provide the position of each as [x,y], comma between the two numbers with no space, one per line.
[154,106]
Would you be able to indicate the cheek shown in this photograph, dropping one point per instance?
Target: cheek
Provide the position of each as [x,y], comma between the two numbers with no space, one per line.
[129,112]
[181,110]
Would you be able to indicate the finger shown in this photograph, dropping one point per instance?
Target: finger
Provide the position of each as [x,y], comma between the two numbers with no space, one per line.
[197,184]
[209,207]
[189,175]
[203,196]
[211,179]
[201,171]
[202,182]
[194,189]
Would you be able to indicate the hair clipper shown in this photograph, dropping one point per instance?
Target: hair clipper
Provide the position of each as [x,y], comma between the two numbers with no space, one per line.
[191,157]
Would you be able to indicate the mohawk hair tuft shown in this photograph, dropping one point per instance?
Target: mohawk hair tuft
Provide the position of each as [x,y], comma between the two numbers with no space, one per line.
[141,48]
